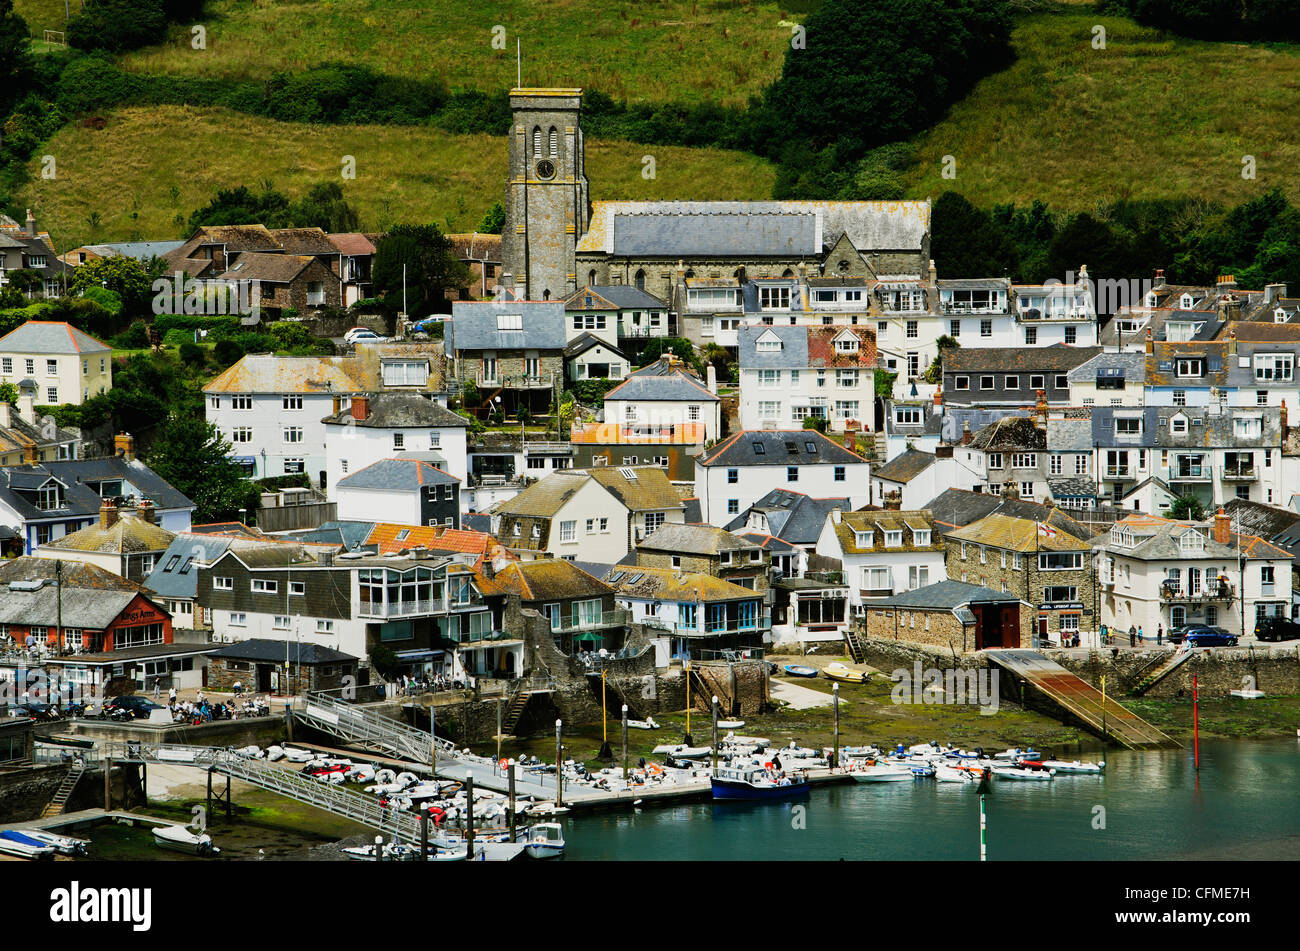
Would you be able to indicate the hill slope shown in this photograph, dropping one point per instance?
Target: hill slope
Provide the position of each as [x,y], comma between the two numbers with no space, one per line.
[404,173]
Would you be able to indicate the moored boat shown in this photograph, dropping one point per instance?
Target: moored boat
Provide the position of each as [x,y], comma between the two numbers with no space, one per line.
[845,674]
[545,841]
[13,842]
[756,784]
[181,839]
[64,845]
[1074,766]
[881,773]
[1022,773]
[799,670]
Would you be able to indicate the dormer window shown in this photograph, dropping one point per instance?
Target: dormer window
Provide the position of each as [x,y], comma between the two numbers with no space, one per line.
[510,321]
[1278,367]
[1185,302]
[1191,543]
[894,538]
[1279,316]
[774,298]
[920,537]
[1178,425]
[847,343]
[768,343]
[1151,299]
[1130,426]
[1122,537]
[864,539]
[1247,427]
[1189,366]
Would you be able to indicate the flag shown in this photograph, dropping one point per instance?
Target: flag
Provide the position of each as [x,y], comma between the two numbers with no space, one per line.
[1046,530]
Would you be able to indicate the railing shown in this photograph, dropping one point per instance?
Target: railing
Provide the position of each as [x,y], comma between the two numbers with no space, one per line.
[950,308]
[545,447]
[1239,474]
[327,712]
[642,331]
[1188,473]
[401,608]
[1117,472]
[616,617]
[1216,591]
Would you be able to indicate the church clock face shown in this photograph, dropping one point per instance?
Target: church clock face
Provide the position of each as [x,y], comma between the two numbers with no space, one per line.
[545,169]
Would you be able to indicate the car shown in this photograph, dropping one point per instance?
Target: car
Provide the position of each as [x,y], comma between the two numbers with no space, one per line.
[1206,636]
[1277,629]
[361,335]
[422,326]
[137,706]
[1176,634]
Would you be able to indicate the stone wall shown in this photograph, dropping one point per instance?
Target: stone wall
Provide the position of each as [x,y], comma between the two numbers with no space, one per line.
[1274,670]
[25,792]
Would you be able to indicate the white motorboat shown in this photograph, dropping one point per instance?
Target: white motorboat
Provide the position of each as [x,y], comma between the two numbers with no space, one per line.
[20,844]
[295,755]
[881,774]
[64,845]
[681,751]
[647,724]
[545,841]
[951,774]
[1022,773]
[1074,766]
[730,724]
[1016,753]
[182,839]
[547,809]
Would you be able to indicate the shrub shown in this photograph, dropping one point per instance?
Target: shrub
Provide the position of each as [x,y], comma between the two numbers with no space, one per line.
[227,352]
[192,354]
[135,337]
[118,25]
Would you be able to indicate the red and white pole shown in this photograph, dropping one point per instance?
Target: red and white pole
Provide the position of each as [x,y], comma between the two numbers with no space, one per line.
[1196,725]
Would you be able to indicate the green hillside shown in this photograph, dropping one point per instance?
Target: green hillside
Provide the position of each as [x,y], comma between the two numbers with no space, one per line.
[126,171]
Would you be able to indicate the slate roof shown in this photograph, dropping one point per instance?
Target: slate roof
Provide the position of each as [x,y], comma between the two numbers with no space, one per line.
[397,475]
[140,250]
[273,268]
[678,386]
[678,229]
[81,499]
[89,597]
[1158,539]
[650,490]
[769,543]
[1010,434]
[793,353]
[692,540]
[613,297]
[50,336]
[1206,430]
[1073,434]
[904,467]
[1079,487]
[1014,534]
[743,449]
[550,579]
[1161,369]
[400,410]
[954,508]
[546,497]
[265,649]
[944,595]
[473,326]
[585,341]
[791,516]
[1056,358]
[127,535]
[1281,526]
[1131,366]
[665,584]
[167,581]
[1157,319]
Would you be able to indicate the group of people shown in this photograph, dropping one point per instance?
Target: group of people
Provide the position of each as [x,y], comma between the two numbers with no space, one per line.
[1137,637]
[427,683]
[203,710]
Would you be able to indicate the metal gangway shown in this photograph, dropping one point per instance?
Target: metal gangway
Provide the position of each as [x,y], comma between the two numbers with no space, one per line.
[301,787]
[373,731]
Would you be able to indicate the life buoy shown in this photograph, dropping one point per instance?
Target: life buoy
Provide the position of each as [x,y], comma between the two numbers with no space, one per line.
[655,768]
[505,764]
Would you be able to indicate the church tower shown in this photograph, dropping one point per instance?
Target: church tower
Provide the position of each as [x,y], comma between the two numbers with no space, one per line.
[546,197]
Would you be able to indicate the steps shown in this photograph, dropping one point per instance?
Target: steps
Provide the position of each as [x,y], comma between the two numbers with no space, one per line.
[510,721]
[857,648]
[56,805]
[1154,676]
[1080,699]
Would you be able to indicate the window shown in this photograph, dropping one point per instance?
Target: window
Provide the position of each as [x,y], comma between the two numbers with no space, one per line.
[263,586]
[846,377]
[241,434]
[6,364]
[293,434]
[31,365]
[1061,592]
[791,473]
[220,583]
[241,402]
[324,627]
[1061,382]
[510,322]
[912,331]
[292,402]
[399,442]
[894,538]
[1054,464]
[1060,560]
[961,382]
[882,327]
[297,588]
[995,460]
[693,413]
[1180,397]
[1081,464]
[847,343]
[1266,580]
[1128,427]
[1024,460]
[986,328]
[280,622]
[877,579]
[569,530]
[864,539]
[733,506]
[653,520]
[918,576]
[954,328]
[293,466]
[1274,366]
[1037,381]
[846,409]
[986,382]
[51,394]
[769,379]
[1186,367]
[238,619]
[1031,335]
[1261,397]
[406,372]
[921,537]
[1027,490]
[1178,425]
[769,409]
[839,473]
[1071,335]
[774,298]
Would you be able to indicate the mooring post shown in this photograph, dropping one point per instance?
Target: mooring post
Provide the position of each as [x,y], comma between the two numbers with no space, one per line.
[108,784]
[625,746]
[559,764]
[835,694]
[288,720]
[510,792]
[228,802]
[424,832]
[469,815]
[715,733]
[144,782]
[379,848]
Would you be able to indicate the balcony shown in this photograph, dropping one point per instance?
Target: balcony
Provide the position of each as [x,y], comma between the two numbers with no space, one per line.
[626,332]
[1188,473]
[1212,591]
[619,617]
[374,609]
[1239,474]
[875,592]
[1117,472]
[677,434]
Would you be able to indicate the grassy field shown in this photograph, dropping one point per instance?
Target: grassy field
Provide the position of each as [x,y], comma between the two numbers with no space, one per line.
[1145,117]
[702,50]
[147,166]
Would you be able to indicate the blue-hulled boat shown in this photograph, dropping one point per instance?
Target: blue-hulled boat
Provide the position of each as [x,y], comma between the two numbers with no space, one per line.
[799,670]
[757,784]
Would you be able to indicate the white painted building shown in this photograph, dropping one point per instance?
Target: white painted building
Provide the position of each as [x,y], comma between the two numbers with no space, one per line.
[884,552]
[788,374]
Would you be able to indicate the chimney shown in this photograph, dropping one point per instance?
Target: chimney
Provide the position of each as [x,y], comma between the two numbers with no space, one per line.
[938,402]
[1160,277]
[146,511]
[837,515]
[1040,411]
[1222,527]
[1148,344]
[1274,292]
[31,224]
[31,455]
[803,270]
[965,433]
[338,405]
[1226,284]
[124,446]
[1282,424]
[934,274]
[5,417]
[1232,343]
[711,376]
[1010,490]
[942,452]
[850,441]
[325,559]
[107,514]
[360,408]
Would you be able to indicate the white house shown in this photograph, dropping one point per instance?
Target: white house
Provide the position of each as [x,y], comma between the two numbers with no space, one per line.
[788,374]
[664,402]
[884,552]
[387,424]
[743,468]
[918,476]
[67,365]
[406,491]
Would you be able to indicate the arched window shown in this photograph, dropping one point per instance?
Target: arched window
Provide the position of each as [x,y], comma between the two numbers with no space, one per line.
[640,280]
[591,277]
[537,141]
[787,273]
[555,143]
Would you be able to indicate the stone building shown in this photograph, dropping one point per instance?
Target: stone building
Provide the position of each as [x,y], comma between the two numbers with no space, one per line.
[951,615]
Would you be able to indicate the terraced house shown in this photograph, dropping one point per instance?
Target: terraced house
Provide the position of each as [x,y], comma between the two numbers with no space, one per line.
[883,552]
[512,349]
[788,374]
[1046,563]
[1011,376]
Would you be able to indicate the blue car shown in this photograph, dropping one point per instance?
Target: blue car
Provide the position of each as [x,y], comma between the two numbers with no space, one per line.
[1210,637]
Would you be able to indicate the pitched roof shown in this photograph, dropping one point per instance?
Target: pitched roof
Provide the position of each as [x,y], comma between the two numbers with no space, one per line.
[1056,358]
[171,577]
[261,266]
[954,508]
[1010,433]
[472,246]
[944,595]
[665,584]
[88,597]
[50,336]
[267,373]
[613,297]
[550,579]
[1015,534]
[397,475]
[127,535]
[880,521]
[311,241]
[676,386]
[474,326]
[586,341]
[791,516]
[904,467]
[544,498]
[692,540]
[352,243]
[1159,539]
[298,652]
[400,410]
[639,488]
[766,447]
[80,480]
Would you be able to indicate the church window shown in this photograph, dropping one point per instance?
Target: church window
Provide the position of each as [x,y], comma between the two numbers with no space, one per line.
[555,143]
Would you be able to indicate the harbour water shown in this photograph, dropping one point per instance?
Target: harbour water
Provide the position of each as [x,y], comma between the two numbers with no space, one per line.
[1152,806]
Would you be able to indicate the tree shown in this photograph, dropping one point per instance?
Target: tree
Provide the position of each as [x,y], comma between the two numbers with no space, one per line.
[117,25]
[416,261]
[193,456]
[242,206]
[680,347]
[965,242]
[8,393]
[325,207]
[125,276]
[15,55]
[1187,507]
[494,219]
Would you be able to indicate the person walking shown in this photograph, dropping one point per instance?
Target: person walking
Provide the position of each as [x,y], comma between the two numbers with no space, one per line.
[1132,636]
[1160,635]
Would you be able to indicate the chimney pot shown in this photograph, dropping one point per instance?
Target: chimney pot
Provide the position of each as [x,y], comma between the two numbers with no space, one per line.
[107,514]
[1149,344]
[360,408]
[965,433]
[1222,527]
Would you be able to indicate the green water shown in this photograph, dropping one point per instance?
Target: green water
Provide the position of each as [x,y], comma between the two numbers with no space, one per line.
[1242,806]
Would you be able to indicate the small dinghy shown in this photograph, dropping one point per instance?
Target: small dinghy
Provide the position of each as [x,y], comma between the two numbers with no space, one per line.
[250,752]
[1016,753]
[799,670]
[547,809]
[681,751]
[1074,766]
[730,724]
[1022,773]
[274,753]
[647,724]
[64,845]
[844,674]
[295,755]
[545,841]
[24,846]
[952,774]
[182,839]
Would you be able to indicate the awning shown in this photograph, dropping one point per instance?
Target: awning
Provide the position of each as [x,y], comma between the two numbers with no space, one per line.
[244,460]
[419,654]
[589,636]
